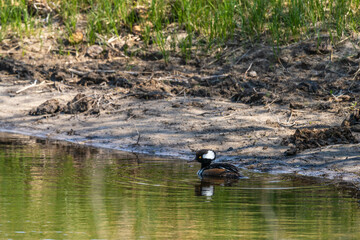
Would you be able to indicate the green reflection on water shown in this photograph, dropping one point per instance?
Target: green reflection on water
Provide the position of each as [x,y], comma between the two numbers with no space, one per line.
[57,191]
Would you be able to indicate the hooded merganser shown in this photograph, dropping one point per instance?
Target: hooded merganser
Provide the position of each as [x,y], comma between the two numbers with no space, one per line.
[216,170]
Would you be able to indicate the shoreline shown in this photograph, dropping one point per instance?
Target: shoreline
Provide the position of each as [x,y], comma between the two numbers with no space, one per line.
[321,163]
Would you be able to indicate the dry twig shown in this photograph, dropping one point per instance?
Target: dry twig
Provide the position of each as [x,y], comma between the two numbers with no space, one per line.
[247,70]
[30,86]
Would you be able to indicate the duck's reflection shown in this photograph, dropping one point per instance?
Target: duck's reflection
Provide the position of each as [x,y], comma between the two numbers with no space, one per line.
[204,189]
[207,185]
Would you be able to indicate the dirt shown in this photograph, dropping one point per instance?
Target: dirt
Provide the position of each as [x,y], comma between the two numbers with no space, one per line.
[295,111]
[48,107]
[316,138]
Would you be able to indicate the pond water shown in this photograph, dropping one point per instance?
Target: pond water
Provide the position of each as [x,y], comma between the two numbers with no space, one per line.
[64,191]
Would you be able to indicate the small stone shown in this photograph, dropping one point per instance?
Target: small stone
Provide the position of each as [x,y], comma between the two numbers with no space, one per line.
[252,74]
[71,132]
[291,151]
[94,50]
[176,105]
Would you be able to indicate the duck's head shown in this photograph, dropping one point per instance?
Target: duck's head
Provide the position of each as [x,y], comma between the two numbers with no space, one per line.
[205,156]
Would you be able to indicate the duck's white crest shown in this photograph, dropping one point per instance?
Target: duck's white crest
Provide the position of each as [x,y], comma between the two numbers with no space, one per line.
[209,155]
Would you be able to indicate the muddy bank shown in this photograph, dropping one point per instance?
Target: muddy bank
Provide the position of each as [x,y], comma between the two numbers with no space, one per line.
[263,112]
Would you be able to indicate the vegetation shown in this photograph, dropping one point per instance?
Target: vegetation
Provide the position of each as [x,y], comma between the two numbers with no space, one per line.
[206,22]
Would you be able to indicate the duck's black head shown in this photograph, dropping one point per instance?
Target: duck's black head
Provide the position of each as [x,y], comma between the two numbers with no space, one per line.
[205,156]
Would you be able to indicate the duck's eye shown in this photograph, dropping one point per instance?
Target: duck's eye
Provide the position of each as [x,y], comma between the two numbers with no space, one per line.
[200,157]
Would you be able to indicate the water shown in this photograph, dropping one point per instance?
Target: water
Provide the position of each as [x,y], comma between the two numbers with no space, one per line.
[62,191]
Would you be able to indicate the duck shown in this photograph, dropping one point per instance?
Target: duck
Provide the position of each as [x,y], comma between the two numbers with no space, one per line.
[214,170]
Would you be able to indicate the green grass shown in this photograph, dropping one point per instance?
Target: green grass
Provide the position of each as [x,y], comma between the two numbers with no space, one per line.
[207,22]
